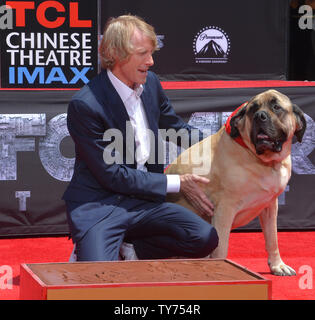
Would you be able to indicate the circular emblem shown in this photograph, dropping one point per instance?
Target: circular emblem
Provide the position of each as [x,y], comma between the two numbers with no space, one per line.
[211,45]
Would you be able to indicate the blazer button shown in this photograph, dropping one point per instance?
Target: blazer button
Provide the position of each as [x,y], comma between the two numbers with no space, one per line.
[119,197]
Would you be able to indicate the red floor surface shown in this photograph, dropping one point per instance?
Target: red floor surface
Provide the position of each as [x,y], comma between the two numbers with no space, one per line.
[296,248]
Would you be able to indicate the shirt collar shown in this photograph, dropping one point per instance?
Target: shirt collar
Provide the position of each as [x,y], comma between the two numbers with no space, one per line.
[123,90]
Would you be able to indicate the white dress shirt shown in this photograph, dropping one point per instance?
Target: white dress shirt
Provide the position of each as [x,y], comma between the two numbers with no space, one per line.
[135,109]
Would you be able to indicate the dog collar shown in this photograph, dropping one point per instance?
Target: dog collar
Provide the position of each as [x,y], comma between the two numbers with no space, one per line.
[238,139]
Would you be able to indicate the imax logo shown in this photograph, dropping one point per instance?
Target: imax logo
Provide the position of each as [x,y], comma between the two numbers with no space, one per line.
[21,75]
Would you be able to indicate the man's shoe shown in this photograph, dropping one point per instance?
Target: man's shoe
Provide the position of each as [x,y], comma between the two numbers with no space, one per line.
[127,252]
[73,256]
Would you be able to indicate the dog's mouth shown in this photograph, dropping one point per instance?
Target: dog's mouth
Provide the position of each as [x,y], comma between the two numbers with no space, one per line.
[264,141]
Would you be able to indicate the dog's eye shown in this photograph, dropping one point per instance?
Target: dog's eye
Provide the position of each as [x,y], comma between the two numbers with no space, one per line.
[276,108]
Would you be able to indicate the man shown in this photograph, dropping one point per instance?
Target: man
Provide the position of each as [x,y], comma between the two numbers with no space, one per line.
[108,203]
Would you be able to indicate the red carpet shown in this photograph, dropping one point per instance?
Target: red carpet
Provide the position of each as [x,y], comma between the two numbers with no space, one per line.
[247,249]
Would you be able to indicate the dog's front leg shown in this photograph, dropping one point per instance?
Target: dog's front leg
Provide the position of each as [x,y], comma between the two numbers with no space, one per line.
[268,221]
[222,221]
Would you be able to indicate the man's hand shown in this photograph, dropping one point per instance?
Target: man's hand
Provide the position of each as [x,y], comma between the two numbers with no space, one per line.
[195,195]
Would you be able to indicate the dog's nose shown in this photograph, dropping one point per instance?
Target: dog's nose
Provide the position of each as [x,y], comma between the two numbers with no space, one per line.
[261,115]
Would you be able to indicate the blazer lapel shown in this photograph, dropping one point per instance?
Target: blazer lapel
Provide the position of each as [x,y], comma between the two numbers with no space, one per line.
[109,98]
[148,104]
[148,107]
[115,109]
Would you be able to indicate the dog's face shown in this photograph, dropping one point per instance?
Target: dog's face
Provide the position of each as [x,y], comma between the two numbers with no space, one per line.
[268,123]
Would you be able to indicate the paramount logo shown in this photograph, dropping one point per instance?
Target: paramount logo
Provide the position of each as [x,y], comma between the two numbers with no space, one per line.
[211,45]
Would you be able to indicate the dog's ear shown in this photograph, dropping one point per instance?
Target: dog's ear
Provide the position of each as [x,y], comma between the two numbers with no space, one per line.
[300,122]
[235,119]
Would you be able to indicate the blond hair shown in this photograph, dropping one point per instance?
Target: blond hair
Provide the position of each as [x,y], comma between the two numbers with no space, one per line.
[117,35]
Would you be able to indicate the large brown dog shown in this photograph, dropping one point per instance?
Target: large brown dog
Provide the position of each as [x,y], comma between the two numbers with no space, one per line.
[248,163]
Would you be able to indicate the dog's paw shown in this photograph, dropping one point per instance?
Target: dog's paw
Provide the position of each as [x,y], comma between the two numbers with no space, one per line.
[282,269]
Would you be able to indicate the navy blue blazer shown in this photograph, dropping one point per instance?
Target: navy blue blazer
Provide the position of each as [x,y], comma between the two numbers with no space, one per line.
[94,109]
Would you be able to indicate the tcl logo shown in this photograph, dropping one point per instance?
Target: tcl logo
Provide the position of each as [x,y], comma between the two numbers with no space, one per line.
[24,8]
